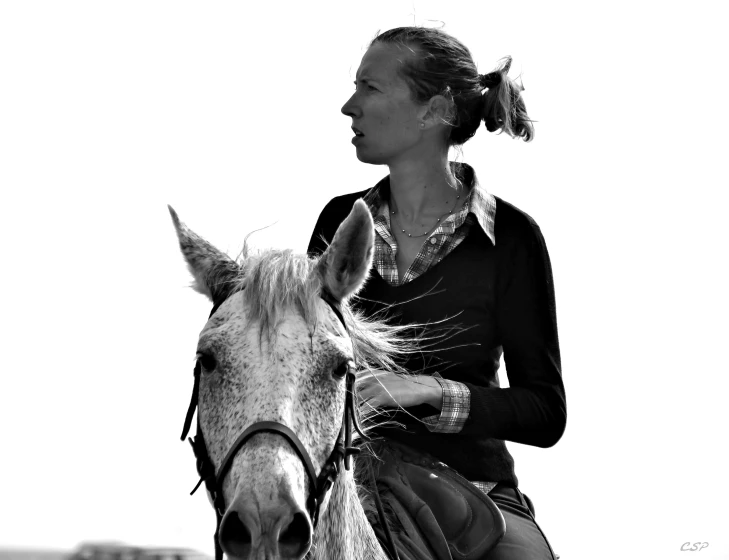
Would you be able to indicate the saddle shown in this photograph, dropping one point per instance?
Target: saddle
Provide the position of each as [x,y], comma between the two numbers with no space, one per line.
[441,515]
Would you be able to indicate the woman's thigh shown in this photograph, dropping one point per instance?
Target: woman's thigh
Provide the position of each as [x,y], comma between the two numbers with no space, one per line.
[524,539]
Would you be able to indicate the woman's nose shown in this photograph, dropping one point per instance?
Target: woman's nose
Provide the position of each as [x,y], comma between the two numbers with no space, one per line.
[350,108]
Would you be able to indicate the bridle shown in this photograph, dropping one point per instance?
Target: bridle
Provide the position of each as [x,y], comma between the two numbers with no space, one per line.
[320,484]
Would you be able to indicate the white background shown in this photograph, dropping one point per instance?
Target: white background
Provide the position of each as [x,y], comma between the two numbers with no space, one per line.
[111,110]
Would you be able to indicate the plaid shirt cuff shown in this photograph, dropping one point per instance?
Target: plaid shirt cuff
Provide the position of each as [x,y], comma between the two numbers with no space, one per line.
[456,406]
[485,487]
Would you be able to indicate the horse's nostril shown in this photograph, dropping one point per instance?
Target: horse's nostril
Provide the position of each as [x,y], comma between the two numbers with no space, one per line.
[235,538]
[239,529]
[295,539]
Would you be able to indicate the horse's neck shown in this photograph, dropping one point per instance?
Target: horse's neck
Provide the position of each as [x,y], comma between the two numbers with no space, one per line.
[344,532]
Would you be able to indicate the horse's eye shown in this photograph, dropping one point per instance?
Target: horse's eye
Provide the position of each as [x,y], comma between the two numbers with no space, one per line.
[207,361]
[342,369]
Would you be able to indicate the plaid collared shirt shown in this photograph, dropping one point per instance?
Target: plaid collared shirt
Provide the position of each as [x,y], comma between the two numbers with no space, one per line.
[479,210]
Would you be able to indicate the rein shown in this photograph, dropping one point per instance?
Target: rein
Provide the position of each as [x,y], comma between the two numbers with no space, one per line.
[320,485]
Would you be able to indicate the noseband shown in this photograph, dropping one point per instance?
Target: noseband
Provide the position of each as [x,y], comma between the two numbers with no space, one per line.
[319,485]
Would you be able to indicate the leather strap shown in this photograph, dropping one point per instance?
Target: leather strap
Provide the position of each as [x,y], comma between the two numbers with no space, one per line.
[274,427]
[285,431]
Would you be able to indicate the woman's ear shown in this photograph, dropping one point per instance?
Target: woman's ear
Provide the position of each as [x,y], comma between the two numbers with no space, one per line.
[438,110]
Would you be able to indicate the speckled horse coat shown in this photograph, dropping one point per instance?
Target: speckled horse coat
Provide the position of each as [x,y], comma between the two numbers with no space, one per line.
[268,354]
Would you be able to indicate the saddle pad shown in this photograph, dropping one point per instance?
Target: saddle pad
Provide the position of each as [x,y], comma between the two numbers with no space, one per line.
[452,515]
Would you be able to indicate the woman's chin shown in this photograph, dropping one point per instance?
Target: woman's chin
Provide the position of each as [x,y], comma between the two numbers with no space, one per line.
[367,157]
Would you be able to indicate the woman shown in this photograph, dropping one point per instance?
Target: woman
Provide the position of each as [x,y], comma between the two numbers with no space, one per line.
[446,250]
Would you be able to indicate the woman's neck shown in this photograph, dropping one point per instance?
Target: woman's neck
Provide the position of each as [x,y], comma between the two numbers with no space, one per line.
[423,188]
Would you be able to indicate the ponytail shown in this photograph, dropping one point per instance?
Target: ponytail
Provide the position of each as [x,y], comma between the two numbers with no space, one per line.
[503,106]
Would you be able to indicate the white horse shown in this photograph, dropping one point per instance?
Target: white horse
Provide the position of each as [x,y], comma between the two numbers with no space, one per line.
[276,351]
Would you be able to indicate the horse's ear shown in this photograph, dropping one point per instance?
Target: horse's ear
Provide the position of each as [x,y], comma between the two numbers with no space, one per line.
[213,271]
[345,264]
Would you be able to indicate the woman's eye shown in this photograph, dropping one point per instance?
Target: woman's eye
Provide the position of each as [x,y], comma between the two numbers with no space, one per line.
[207,361]
[367,86]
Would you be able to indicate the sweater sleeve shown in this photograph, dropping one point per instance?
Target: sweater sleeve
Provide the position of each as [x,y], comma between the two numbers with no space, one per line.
[532,410]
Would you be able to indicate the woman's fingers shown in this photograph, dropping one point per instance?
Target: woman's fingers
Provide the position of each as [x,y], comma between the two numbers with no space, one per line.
[371,376]
[369,382]
[372,389]
[383,389]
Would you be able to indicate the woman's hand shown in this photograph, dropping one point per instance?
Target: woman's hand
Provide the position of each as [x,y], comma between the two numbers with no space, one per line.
[381,389]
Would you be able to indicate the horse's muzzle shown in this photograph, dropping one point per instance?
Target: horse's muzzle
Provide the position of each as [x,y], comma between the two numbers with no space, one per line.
[277,529]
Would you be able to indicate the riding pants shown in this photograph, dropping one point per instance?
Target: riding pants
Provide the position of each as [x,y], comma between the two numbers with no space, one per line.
[524,539]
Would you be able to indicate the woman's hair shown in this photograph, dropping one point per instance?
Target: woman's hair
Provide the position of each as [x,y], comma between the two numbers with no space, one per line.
[441,65]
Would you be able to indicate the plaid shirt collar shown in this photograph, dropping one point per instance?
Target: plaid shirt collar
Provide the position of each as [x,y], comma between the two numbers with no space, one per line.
[480,204]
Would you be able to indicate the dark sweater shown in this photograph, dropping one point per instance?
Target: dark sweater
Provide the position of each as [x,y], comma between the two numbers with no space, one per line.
[502,298]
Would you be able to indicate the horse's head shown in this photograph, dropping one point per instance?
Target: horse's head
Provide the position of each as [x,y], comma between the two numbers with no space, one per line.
[274,351]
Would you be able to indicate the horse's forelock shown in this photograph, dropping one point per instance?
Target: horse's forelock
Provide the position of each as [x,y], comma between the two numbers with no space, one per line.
[276,280]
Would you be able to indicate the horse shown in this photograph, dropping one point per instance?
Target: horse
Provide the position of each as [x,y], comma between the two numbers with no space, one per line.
[280,350]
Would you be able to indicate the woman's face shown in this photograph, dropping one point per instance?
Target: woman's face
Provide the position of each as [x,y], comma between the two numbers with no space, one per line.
[384,117]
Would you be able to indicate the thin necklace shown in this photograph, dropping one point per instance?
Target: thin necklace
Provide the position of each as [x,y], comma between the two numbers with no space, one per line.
[437,221]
